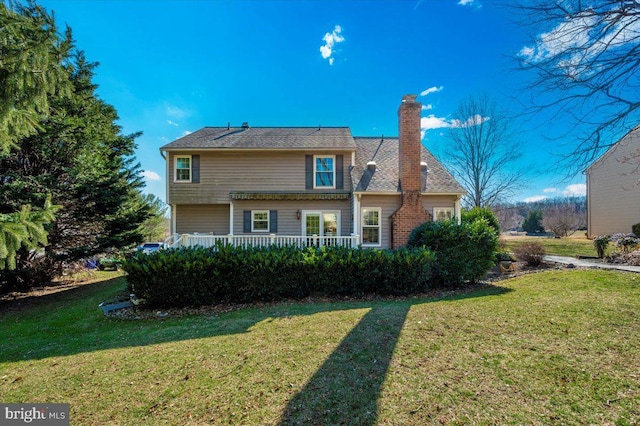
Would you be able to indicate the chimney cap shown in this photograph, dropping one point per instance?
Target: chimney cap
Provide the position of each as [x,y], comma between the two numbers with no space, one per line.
[409,98]
[371,165]
[423,165]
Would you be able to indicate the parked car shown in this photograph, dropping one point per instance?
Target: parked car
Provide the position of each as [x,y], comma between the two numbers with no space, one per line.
[147,248]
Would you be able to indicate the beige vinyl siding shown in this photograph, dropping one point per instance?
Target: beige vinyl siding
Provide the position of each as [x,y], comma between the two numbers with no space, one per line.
[222,172]
[613,196]
[389,204]
[288,223]
[202,218]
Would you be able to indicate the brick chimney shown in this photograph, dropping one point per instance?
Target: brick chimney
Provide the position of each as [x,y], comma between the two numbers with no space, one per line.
[411,213]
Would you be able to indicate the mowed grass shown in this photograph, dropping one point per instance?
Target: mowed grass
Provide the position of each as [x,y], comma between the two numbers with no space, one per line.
[572,246]
[559,347]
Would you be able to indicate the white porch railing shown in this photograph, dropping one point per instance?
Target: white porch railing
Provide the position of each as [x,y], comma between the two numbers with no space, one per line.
[210,240]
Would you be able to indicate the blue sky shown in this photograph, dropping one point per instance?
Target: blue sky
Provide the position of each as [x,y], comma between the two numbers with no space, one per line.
[172,67]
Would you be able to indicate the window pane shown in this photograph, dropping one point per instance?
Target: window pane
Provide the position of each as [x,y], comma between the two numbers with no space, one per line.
[261,221]
[444,214]
[312,225]
[370,217]
[330,224]
[324,171]
[183,163]
[183,174]
[371,235]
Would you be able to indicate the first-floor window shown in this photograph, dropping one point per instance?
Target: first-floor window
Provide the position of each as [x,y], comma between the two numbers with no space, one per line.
[442,213]
[260,221]
[371,226]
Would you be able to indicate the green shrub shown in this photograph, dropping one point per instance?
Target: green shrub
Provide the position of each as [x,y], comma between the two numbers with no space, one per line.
[636,229]
[485,213]
[533,222]
[532,253]
[463,252]
[601,243]
[204,276]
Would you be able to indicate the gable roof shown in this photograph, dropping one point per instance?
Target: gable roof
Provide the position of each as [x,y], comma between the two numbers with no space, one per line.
[385,178]
[266,138]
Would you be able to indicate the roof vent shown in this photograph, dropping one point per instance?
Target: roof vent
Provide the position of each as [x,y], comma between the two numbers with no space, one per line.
[371,165]
[423,165]
[245,125]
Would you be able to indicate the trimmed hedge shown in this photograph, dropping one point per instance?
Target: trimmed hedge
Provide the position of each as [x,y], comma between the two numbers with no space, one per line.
[203,276]
[463,252]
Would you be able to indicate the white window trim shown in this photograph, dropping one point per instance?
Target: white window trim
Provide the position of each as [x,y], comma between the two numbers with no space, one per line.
[315,172]
[379,226]
[175,169]
[320,212]
[253,212]
[451,209]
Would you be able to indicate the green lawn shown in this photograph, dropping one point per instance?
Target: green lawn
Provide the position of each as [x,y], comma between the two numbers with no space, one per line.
[573,246]
[560,347]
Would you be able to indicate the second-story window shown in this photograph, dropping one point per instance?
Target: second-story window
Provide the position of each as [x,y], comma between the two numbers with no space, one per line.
[324,171]
[183,168]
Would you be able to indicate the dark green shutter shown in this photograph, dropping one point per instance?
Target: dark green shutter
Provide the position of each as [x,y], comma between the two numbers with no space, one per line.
[308,171]
[273,221]
[339,172]
[195,169]
[246,222]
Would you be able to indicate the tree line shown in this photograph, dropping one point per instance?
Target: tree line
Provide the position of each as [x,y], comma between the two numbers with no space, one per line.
[563,215]
[70,185]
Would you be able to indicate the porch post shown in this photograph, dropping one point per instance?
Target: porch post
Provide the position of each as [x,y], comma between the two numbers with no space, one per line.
[457,210]
[231,218]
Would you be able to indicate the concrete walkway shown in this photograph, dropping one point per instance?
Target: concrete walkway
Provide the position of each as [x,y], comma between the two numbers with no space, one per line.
[586,263]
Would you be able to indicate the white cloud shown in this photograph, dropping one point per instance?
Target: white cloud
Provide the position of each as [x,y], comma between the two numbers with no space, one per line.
[576,41]
[433,89]
[172,123]
[535,198]
[427,107]
[175,112]
[433,122]
[465,2]
[474,120]
[149,175]
[330,40]
[550,190]
[186,132]
[575,190]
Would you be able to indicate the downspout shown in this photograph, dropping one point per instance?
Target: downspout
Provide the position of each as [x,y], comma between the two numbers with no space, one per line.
[231,218]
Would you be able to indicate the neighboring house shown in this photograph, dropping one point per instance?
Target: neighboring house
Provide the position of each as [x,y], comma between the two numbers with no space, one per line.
[308,181]
[613,188]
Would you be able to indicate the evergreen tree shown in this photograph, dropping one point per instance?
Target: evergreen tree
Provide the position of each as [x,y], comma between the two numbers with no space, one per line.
[76,156]
[533,222]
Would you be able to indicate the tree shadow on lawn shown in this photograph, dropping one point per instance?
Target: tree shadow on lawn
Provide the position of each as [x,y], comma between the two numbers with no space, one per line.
[70,322]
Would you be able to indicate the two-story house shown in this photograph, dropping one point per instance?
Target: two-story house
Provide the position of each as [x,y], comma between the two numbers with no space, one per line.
[297,183]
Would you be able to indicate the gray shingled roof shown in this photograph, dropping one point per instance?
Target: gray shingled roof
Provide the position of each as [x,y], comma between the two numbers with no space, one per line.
[384,151]
[266,138]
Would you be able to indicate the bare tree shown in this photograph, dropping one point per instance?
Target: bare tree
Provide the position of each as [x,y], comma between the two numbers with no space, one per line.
[585,55]
[483,154]
[563,218]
